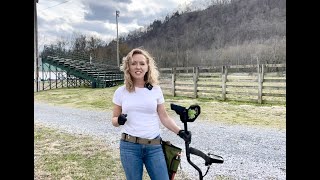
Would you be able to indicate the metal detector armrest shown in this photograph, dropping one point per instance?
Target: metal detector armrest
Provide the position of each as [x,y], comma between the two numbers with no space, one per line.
[208,159]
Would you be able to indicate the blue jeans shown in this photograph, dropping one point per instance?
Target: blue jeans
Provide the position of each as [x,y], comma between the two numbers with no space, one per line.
[133,156]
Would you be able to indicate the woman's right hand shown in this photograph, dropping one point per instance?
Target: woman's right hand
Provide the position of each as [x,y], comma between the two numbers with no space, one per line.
[122,118]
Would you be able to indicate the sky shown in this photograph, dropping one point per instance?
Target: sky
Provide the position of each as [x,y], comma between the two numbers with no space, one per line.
[60,19]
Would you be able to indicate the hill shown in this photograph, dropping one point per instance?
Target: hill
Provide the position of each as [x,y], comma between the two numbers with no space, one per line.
[237,32]
[227,32]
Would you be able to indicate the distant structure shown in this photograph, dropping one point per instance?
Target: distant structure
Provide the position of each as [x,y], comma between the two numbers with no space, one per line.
[117,15]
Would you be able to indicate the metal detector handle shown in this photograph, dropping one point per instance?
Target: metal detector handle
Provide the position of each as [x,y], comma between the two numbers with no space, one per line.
[181,111]
[178,109]
[208,159]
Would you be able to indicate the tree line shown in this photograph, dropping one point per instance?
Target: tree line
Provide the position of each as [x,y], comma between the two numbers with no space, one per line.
[228,32]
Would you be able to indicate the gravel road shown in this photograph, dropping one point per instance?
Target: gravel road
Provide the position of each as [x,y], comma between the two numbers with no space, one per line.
[248,153]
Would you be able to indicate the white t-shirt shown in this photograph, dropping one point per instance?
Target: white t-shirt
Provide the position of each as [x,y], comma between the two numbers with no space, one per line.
[141,109]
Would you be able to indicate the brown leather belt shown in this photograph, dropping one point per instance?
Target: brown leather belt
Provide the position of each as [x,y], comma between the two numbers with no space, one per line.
[129,138]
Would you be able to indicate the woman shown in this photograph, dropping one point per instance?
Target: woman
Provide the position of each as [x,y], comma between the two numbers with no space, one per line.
[138,107]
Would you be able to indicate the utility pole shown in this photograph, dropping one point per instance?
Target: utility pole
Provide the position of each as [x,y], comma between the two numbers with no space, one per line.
[117,15]
[36,44]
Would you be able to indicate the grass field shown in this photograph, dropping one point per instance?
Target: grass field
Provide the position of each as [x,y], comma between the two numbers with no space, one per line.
[63,156]
[270,116]
[58,155]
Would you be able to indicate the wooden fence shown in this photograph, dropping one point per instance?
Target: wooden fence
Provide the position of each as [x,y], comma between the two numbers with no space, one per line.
[263,83]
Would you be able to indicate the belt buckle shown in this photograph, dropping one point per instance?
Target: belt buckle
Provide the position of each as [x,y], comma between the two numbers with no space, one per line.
[136,138]
[128,136]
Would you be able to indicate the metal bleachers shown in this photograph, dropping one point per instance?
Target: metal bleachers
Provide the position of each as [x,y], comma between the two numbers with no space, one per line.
[95,74]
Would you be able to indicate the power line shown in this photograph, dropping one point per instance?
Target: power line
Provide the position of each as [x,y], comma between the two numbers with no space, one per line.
[54,5]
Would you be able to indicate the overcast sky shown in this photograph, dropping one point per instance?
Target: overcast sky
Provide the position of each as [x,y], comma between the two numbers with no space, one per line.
[61,18]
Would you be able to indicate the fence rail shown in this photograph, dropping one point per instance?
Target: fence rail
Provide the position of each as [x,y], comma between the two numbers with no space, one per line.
[263,83]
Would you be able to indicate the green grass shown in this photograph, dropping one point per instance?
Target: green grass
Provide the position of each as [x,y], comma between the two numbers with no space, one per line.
[230,112]
[85,98]
[59,155]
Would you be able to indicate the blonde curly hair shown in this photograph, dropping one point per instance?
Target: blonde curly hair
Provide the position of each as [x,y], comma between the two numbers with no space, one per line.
[150,77]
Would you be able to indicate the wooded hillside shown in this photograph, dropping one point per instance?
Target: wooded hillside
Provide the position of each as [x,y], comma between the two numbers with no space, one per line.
[225,33]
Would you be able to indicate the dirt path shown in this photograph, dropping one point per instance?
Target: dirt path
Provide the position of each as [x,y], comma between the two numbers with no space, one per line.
[249,153]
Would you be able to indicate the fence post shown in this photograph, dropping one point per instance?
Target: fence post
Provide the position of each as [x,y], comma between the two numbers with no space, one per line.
[195,81]
[42,75]
[173,81]
[68,78]
[56,77]
[49,67]
[224,80]
[62,76]
[260,82]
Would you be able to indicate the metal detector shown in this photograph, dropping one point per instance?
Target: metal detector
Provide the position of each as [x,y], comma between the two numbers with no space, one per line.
[190,115]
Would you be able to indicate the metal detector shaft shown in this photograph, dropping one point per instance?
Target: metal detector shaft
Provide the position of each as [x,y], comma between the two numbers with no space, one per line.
[182,111]
[188,153]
